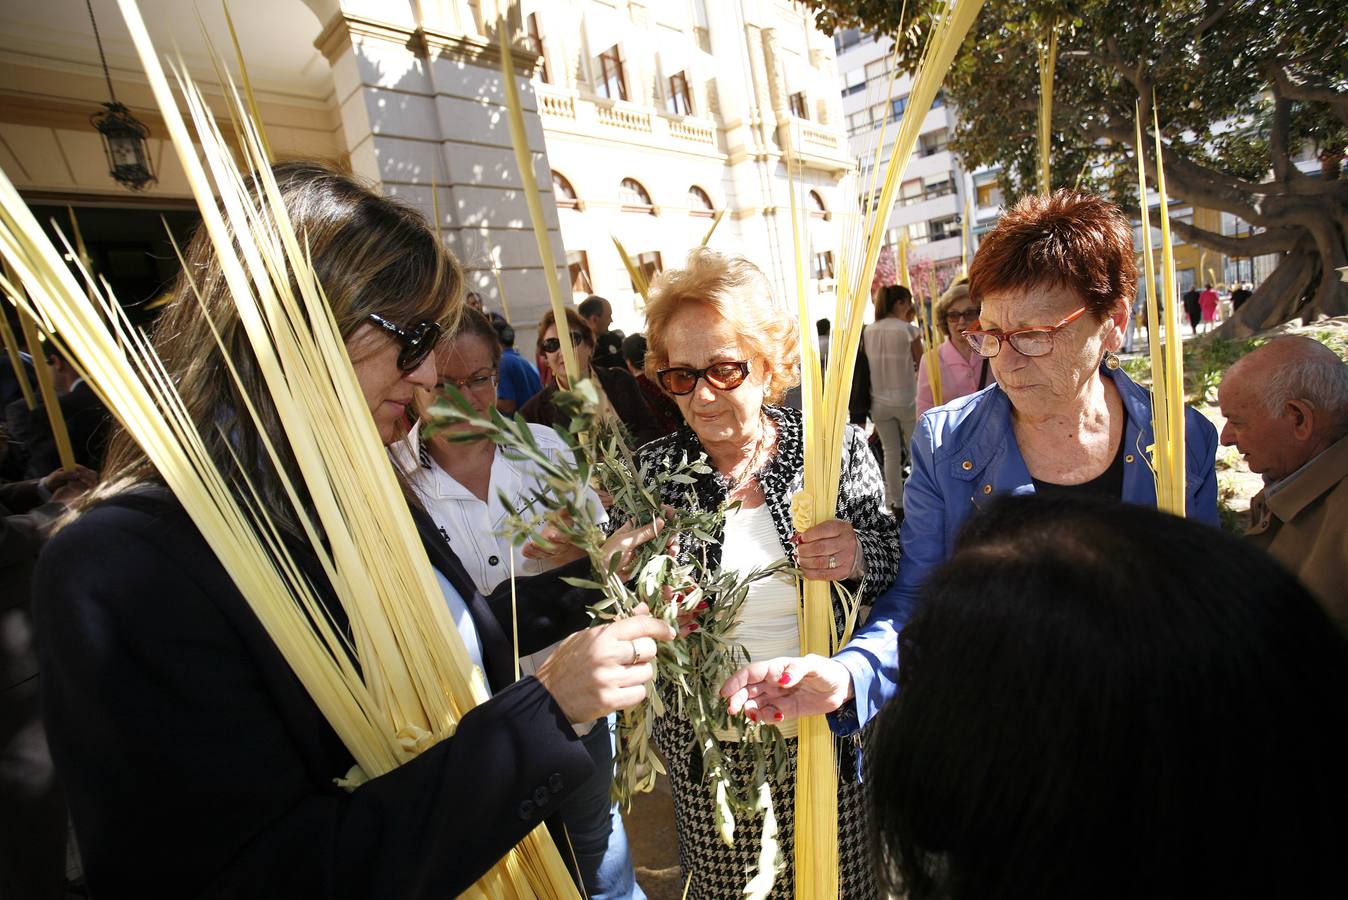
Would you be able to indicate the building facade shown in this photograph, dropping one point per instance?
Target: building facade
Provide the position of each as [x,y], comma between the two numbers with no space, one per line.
[644,121]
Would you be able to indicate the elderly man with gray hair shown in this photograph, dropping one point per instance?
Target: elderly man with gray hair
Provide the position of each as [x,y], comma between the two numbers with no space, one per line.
[1286,408]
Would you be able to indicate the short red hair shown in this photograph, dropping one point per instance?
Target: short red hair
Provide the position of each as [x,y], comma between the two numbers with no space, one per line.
[1069,239]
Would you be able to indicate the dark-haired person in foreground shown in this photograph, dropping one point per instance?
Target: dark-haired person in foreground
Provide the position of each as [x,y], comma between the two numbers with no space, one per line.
[1053,283]
[1083,717]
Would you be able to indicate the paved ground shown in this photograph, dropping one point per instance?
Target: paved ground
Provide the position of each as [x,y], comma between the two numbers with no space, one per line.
[655,849]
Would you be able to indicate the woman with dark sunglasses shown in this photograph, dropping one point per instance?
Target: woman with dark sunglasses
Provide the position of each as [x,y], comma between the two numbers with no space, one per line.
[194,761]
[726,352]
[1053,282]
[622,389]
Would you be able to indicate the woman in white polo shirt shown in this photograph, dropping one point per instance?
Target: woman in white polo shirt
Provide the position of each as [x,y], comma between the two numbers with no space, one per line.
[461,486]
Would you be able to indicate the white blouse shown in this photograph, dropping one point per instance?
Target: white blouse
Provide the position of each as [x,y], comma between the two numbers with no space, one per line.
[768,623]
[474,528]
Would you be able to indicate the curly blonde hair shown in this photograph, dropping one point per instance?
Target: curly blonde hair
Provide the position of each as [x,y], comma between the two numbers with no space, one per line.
[739,292]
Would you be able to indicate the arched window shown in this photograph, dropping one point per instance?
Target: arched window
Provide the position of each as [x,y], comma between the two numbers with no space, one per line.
[699,203]
[563,192]
[817,207]
[635,198]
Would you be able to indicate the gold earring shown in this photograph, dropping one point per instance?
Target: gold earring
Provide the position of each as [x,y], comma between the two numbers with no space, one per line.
[1111,360]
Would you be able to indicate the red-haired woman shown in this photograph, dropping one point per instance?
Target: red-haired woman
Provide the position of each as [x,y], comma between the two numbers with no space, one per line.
[1053,282]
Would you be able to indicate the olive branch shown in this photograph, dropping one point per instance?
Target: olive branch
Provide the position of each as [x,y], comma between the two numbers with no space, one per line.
[689,669]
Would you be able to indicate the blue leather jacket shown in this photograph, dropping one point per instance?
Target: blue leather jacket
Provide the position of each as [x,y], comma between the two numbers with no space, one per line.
[963,454]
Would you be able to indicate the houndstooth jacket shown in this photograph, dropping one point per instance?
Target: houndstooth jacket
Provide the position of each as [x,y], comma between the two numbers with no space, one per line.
[861,495]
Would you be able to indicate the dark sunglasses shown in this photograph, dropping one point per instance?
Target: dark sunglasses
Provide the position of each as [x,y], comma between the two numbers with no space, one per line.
[552,344]
[724,376]
[418,341]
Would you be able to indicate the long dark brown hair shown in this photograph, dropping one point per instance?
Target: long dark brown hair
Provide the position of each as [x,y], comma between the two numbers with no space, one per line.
[371,254]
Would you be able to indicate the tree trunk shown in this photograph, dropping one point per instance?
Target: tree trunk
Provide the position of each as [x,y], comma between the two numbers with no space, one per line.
[1281,295]
[1305,284]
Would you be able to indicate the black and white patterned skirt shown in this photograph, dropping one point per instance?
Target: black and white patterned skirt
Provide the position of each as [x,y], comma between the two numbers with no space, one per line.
[720,872]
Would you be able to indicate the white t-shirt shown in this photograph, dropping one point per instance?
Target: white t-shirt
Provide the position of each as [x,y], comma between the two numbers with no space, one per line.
[889,349]
[475,529]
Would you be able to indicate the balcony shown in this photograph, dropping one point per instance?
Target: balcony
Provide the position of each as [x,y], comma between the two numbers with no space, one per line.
[816,146]
[564,110]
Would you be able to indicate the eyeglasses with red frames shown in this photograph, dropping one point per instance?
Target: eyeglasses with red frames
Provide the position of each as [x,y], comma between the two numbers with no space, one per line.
[724,376]
[1036,340]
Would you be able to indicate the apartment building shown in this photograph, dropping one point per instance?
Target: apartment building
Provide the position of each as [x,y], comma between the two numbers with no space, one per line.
[936,192]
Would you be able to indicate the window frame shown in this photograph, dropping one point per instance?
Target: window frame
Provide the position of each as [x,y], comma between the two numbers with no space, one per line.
[798,105]
[817,208]
[631,184]
[679,91]
[703,212]
[533,37]
[563,192]
[612,57]
[649,264]
[578,270]
[821,266]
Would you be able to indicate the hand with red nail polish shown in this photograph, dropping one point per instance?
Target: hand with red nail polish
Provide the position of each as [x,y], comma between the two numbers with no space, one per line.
[789,686]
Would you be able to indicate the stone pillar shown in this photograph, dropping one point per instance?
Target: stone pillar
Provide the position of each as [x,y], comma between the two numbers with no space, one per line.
[421,107]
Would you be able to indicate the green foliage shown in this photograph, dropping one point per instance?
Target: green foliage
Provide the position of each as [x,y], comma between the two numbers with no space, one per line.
[1206,363]
[1209,64]
[692,667]
[1230,518]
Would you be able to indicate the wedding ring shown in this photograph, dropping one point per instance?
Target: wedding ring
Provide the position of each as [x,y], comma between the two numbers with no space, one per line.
[833,561]
[636,654]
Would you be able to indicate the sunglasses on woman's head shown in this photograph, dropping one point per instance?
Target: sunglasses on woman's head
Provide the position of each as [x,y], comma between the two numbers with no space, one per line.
[724,376]
[552,344]
[418,341]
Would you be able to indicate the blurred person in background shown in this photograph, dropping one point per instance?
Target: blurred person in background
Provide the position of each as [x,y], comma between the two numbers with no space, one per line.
[667,414]
[893,350]
[608,344]
[622,389]
[963,371]
[517,380]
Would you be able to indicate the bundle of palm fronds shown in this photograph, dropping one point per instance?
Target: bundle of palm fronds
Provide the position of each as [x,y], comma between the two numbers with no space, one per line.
[400,679]
[1167,457]
[825,416]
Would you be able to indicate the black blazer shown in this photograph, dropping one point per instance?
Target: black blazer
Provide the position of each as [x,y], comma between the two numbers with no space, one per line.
[197,766]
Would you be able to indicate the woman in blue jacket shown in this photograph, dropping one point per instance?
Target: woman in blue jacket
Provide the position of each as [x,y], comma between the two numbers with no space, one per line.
[1054,280]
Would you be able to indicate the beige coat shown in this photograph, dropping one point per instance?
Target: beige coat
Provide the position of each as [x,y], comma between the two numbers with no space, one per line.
[1304,526]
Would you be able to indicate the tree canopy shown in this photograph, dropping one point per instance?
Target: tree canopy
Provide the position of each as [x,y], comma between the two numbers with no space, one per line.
[1241,88]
